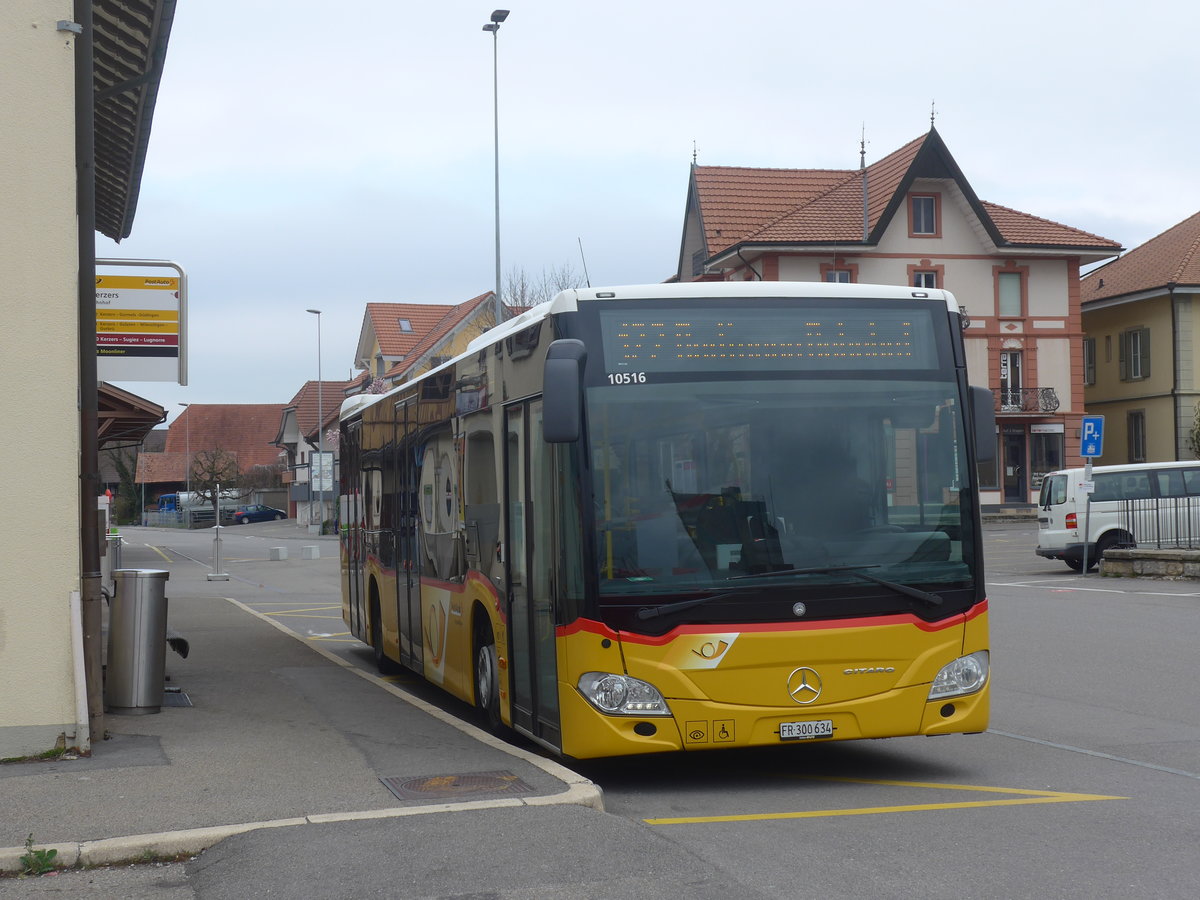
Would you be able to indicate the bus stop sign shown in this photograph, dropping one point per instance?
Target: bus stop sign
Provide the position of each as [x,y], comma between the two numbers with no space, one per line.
[1092,436]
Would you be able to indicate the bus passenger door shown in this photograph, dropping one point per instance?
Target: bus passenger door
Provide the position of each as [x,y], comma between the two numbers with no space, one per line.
[351,536]
[408,556]
[529,520]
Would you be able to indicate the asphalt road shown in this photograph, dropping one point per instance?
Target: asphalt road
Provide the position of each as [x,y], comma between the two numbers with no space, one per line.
[1087,784]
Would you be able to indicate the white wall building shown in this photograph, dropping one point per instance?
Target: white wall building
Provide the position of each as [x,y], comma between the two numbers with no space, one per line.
[912,218]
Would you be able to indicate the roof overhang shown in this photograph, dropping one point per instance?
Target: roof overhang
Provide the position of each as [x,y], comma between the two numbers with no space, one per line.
[129,46]
[737,254]
[1154,293]
[124,418]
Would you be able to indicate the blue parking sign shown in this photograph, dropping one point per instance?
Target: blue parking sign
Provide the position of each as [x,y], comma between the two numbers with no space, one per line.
[1092,436]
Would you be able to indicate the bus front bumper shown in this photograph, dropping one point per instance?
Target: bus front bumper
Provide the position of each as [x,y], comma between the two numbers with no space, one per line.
[705,725]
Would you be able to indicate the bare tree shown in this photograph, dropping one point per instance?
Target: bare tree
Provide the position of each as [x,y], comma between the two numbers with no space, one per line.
[215,472]
[520,289]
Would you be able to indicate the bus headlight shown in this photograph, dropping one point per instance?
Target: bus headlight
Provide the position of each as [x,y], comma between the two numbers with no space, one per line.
[965,675]
[620,695]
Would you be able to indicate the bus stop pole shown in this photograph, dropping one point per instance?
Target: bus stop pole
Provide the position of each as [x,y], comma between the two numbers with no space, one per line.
[217,574]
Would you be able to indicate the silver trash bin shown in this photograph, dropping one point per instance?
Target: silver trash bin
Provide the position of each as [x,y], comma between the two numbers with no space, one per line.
[137,642]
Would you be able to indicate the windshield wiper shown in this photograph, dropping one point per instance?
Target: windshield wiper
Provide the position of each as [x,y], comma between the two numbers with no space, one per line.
[915,593]
[653,612]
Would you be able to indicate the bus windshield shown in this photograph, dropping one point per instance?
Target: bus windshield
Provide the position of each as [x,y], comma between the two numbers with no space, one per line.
[698,484]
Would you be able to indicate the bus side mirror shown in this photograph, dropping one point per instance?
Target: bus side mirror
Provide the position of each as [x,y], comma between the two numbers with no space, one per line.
[983,409]
[562,391]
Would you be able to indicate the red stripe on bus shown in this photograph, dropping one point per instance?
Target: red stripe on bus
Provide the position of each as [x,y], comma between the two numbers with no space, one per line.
[599,628]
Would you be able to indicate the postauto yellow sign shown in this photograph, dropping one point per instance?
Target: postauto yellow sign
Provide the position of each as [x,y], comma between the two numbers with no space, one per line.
[139,333]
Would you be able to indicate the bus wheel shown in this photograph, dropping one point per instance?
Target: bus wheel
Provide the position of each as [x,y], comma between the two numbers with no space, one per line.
[487,683]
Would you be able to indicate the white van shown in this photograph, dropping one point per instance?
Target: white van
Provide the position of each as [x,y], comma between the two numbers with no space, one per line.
[1137,504]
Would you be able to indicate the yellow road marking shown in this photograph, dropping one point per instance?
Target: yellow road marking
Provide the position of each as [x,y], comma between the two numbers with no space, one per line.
[159,552]
[1026,798]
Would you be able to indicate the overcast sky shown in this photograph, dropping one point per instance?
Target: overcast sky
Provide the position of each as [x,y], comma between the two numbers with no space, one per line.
[324,155]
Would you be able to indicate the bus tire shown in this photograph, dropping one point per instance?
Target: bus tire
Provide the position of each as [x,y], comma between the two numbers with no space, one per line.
[383,663]
[487,681]
[1076,563]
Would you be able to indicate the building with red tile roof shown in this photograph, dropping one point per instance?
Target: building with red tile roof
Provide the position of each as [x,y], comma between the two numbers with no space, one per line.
[246,430]
[399,340]
[396,341]
[1141,315]
[391,330]
[299,429]
[913,218]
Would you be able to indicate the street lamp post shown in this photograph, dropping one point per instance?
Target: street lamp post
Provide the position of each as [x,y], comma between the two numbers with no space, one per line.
[320,430]
[498,16]
[188,448]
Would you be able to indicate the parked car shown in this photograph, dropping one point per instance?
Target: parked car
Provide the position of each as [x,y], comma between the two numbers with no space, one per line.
[1129,505]
[243,515]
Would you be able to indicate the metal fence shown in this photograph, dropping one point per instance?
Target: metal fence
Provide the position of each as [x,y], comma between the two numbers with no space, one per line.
[186,518]
[1162,522]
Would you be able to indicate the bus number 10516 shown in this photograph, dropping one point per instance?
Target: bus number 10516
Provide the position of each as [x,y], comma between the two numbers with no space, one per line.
[626,377]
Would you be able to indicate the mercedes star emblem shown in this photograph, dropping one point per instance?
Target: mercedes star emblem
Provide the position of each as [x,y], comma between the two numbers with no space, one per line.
[804,685]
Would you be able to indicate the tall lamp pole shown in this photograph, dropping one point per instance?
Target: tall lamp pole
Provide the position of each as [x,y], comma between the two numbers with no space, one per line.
[187,447]
[320,427]
[498,16]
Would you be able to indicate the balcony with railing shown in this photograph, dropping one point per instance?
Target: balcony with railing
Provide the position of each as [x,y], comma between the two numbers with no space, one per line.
[1026,401]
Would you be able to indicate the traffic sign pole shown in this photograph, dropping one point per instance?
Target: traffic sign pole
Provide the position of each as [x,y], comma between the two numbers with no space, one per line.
[1091,435]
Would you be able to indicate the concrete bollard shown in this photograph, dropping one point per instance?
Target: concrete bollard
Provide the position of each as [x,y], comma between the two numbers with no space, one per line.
[311,551]
[278,553]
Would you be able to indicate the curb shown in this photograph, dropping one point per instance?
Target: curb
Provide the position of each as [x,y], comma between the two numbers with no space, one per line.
[140,848]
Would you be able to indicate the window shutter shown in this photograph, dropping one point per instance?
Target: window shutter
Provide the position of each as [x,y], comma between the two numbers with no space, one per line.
[1144,347]
[1122,342]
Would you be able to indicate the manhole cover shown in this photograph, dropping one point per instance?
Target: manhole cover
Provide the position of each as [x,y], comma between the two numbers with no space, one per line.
[439,787]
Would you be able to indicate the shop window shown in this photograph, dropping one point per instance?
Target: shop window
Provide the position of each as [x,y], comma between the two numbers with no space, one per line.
[1045,456]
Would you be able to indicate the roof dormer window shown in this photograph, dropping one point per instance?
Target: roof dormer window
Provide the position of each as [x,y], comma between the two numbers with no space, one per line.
[923,215]
[405,325]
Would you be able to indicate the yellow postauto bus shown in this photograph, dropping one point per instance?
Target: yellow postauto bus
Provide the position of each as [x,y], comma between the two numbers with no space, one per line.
[683,517]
